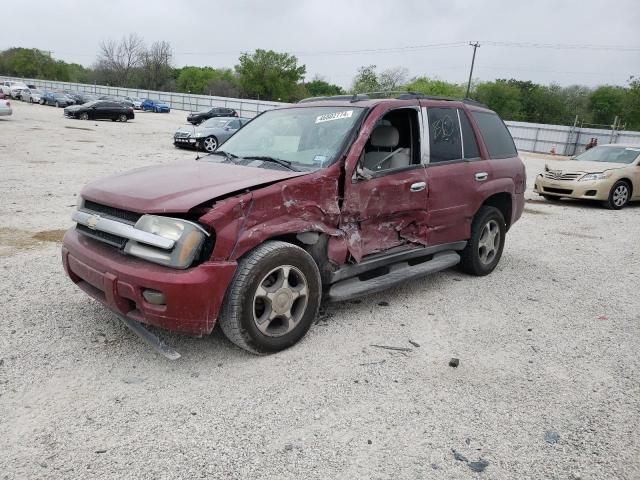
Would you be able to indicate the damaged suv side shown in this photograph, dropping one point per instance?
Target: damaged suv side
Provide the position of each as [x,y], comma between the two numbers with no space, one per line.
[327,199]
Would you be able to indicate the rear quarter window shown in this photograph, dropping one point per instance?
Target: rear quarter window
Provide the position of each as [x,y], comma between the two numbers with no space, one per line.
[495,134]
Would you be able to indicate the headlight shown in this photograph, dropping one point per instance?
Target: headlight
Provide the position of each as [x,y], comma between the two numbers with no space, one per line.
[188,237]
[198,134]
[594,176]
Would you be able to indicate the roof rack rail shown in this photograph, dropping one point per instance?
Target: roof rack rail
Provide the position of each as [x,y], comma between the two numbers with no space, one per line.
[398,95]
[356,97]
[471,101]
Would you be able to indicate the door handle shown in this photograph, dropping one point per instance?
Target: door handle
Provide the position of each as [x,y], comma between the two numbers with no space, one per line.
[481,176]
[418,187]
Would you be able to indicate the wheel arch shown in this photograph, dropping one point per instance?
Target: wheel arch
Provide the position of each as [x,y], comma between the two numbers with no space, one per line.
[628,182]
[503,201]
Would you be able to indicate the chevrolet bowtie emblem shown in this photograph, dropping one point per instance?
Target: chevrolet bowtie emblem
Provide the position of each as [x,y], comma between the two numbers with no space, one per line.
[92,221]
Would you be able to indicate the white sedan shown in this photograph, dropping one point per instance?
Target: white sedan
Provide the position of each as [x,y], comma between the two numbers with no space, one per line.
[5,108]
[31,95]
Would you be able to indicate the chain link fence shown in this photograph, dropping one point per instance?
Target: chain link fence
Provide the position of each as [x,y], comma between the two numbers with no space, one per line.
[541,138]
[178,101]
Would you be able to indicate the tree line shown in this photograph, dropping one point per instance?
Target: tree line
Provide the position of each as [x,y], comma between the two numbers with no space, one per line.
[273,76]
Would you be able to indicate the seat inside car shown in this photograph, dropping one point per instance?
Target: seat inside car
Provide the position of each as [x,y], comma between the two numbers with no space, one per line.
[383,152]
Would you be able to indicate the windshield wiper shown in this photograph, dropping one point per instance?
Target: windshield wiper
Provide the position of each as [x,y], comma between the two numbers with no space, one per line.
[229,156]
[284,163]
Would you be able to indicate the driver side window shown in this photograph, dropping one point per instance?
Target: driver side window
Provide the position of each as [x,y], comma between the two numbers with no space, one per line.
[394,142]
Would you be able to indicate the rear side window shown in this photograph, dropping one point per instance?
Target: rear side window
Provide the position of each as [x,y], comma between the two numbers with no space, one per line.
[444,135]
[468,137]
[495,134]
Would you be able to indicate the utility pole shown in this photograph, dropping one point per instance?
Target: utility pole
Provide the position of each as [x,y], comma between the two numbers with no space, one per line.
[475,46]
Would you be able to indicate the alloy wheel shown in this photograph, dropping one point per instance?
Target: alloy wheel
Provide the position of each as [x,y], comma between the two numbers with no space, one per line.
[280,301]
[489,242]
[210,144]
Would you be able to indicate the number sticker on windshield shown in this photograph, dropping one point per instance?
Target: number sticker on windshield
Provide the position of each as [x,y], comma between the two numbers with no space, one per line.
[327,117]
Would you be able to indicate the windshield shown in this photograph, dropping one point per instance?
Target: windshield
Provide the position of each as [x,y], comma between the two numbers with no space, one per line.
[609,154]
[308,137]
[215,123]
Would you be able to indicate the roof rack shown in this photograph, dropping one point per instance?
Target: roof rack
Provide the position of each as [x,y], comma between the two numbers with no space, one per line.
[398,95]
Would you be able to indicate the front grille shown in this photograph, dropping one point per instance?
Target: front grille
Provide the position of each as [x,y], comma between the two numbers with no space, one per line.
[558,175]
[104,237]
[114,213]
[562,191]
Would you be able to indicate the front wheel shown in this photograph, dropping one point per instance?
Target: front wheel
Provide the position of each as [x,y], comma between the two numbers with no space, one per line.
[210,144]
[484,248]
[273,298]
[57,105]
[84,116]
[618,196]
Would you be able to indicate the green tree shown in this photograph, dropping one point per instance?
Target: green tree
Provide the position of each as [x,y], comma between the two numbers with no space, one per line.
[502,97]
[366,80]
[269,75]
[321,88]
[605,103]
[632,105]
[430,86]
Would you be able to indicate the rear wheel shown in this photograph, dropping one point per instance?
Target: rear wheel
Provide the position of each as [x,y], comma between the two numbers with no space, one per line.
[122,118]
[618,196]
[484,248]
[57,105]
[210,144]
[273,298]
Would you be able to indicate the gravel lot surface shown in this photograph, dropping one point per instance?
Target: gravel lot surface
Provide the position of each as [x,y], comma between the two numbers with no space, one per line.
[548,384]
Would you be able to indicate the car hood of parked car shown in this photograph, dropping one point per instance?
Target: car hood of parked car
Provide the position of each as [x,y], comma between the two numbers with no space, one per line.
[585,167]
[180,186]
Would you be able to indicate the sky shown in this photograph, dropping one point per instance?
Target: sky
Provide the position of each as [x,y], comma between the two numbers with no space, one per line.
[333,38]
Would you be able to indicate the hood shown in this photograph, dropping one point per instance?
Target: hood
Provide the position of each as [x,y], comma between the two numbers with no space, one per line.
[585,167]
[203,112]
[73,108]
[178,187]
[190,129]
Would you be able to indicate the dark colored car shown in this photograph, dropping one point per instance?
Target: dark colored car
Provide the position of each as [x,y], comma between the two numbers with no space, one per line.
[209,135]
[100,110]
[56,99]
[331,199]
[199,117]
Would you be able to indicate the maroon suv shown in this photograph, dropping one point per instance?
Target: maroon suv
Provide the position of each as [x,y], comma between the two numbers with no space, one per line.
[328,199]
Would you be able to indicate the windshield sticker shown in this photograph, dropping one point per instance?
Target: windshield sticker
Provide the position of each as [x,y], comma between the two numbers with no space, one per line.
[319,160]
[327,117]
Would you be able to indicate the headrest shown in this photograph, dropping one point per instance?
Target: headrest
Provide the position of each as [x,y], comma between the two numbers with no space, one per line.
[385,136]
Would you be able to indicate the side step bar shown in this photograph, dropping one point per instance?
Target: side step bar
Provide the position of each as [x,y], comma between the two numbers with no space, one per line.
[398,273]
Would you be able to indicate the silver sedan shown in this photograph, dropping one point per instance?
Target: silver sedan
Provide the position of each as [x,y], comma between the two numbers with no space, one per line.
[209,135]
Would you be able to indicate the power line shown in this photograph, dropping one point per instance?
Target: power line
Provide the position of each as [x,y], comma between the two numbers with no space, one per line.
[563,46]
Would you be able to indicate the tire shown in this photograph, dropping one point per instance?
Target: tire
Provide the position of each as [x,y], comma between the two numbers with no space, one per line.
[84,116]
[210,144]
[122,118]
[618,196]
[30,100]
[57,105]
[484,248]
[248,317]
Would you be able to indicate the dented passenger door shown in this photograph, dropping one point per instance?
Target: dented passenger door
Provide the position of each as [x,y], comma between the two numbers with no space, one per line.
[385,202]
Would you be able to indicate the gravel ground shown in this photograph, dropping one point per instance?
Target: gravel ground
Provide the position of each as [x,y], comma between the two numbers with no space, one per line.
[547,386]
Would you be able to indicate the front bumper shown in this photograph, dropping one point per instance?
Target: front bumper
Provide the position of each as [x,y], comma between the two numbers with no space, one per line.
[589,190]
[187,142]
[193,297]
